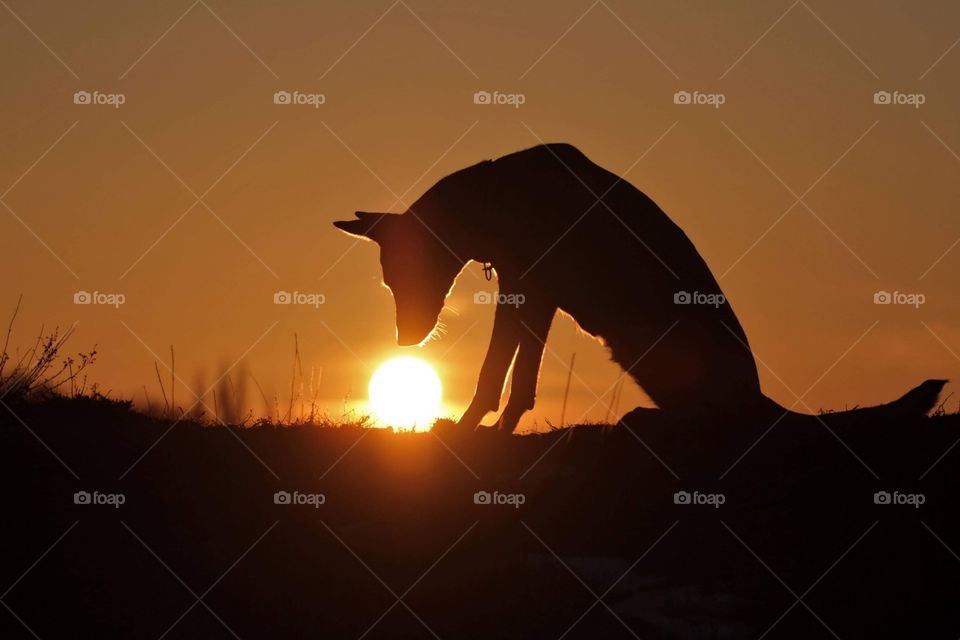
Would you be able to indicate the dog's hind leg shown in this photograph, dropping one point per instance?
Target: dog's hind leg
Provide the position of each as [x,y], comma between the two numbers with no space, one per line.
[535,321]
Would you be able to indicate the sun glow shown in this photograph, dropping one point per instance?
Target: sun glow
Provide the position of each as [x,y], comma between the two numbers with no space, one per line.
[405,392]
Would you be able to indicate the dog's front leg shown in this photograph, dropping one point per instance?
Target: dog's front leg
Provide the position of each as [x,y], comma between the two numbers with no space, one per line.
[503,346]
[535,321]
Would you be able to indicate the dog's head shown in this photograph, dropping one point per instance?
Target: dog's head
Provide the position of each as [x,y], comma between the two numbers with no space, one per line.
[417,267]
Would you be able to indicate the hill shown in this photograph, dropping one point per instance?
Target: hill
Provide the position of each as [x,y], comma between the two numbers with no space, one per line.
[810,528]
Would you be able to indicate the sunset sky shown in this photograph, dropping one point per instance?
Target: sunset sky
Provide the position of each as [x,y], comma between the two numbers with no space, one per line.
[198,198]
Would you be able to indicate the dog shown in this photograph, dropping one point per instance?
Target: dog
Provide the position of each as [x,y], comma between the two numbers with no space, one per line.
[564,234]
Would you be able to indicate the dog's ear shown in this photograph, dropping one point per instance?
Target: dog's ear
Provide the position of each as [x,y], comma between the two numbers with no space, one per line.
[367,225]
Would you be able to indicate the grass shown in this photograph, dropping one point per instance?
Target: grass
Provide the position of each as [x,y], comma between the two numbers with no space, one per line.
[40,371]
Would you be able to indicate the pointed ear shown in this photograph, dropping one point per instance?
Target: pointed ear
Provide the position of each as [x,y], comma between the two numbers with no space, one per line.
[367,225]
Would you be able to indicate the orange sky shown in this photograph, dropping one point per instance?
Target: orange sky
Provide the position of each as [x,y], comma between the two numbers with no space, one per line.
[99,191]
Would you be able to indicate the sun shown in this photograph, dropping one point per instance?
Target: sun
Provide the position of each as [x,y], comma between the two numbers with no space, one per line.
[405,392]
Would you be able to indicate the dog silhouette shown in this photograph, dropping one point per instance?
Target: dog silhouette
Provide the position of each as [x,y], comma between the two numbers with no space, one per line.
[565,234]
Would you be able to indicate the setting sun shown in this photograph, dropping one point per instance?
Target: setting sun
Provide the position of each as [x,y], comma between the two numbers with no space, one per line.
[405,392]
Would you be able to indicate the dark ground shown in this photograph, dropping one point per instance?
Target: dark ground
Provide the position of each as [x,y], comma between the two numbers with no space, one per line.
[798,549]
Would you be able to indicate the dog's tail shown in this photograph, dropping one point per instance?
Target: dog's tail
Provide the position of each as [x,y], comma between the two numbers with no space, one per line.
[915,403]
[919,401]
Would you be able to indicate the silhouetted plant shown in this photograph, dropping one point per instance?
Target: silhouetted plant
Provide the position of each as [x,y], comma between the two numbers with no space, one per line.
[36,371]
